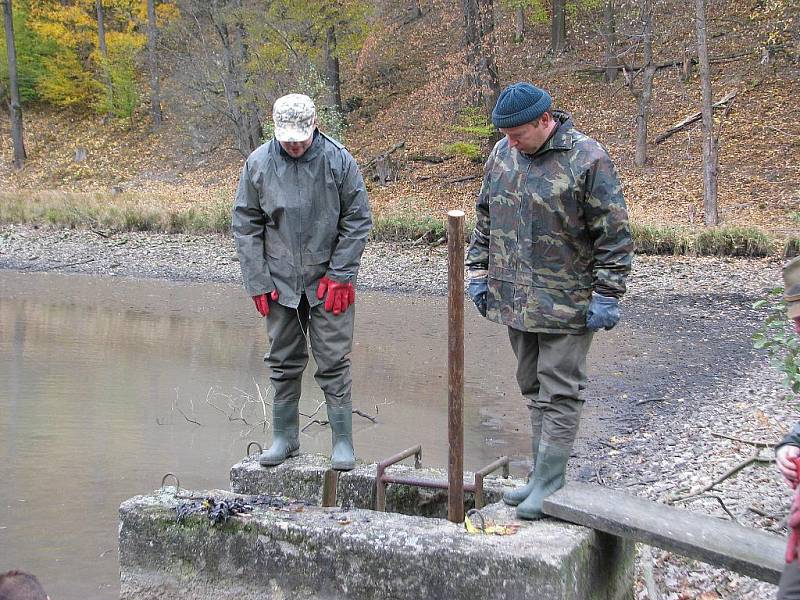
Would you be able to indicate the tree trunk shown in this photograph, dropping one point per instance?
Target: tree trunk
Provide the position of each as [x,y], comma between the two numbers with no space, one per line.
[646,94]
[416,10]
[519,24]
[558,27]
[709,147]
[155,92]
[332,73]
[480,45]
[15,107]
[101,44]
[610,35]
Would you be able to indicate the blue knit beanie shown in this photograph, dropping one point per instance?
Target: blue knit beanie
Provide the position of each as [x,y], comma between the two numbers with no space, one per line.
[520,103]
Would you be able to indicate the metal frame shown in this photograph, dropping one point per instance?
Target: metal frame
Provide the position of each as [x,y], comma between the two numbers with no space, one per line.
[382,478]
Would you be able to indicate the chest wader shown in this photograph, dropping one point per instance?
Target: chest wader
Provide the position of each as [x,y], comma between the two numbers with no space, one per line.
[551,372]
[331,337]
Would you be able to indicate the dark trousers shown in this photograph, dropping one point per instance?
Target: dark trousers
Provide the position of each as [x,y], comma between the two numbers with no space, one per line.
[331,337]
[789,586]
[551,372]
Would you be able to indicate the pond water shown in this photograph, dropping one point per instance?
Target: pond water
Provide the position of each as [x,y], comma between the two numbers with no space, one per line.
[106,384]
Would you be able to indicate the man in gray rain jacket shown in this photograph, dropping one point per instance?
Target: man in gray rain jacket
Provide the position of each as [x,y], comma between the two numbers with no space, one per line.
[300,221]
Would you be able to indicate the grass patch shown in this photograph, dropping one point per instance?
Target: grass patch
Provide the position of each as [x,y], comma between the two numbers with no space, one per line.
[732,241]
[117,212]
[715,241]
[403,221]
[791,247]
[407,227]
[466,149]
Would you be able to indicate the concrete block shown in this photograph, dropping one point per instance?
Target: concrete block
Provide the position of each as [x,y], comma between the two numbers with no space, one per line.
[333,553]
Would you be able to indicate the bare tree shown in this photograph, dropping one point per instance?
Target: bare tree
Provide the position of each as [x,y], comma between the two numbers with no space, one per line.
[242,109]
[519,24]
[480,45]
[648,73]
[710,158]
[152,39]
[610,36]
[558,27]
[14,107]
[416,11]
[332,72]
[101,44]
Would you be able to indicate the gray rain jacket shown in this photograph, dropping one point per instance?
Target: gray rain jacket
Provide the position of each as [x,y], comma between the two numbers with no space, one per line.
[296,220]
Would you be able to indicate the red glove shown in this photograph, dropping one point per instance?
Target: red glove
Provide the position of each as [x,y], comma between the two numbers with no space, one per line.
[339,295]
[793,544]
[262,304]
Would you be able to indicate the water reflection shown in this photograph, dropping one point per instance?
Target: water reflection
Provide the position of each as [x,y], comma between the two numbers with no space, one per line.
[101,381]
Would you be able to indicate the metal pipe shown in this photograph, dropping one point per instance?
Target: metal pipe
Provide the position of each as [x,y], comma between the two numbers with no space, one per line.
[425,483]
[455,365]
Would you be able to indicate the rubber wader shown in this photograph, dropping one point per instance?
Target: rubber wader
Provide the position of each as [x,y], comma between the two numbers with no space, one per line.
[515,496]
[285,434]
[549,474]
[341,419]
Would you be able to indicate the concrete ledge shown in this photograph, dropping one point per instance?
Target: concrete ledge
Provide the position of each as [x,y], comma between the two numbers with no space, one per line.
[301,477]
[358,554]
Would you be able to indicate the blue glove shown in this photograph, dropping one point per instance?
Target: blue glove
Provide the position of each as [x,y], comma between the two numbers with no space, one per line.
[478,289]
[603,312]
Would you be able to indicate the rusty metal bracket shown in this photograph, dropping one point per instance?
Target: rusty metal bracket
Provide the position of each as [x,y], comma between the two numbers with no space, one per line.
[330,483]
[257,445]
[480,500]
[177,482]
[382,478]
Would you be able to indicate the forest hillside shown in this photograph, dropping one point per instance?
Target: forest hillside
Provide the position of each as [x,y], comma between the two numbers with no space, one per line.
[411,120]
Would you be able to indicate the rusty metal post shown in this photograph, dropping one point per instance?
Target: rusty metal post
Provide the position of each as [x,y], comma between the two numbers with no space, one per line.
[455,365]
[330,483]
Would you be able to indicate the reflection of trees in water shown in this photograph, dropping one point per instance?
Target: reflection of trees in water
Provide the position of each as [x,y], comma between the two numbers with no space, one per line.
[43,327]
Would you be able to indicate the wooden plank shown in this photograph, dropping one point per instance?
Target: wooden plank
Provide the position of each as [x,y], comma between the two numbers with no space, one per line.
[748,551]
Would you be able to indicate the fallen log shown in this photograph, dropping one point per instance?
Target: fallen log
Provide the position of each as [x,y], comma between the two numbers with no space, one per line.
[693,118]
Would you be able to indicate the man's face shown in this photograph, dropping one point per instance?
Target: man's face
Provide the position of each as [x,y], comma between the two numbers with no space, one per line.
[528,138]
[297,149]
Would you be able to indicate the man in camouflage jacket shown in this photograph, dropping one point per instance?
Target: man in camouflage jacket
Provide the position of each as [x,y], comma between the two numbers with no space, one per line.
[300,221]
[548,258]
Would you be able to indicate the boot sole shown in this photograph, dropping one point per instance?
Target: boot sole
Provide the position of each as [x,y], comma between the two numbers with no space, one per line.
[343,467]
[531,516]
[276,462]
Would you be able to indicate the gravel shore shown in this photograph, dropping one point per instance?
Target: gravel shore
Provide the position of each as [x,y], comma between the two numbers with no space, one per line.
[670,447]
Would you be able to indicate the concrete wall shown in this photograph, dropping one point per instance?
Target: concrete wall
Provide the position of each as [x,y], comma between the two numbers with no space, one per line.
[277,553]
[301,551]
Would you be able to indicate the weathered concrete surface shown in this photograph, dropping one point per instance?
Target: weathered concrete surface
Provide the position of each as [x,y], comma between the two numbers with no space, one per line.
[323,554]
[301,477]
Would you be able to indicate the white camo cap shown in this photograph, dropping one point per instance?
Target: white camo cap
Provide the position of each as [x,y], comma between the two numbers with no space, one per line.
[293,115]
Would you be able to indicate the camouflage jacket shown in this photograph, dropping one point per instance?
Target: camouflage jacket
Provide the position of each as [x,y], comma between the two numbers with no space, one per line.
[295,220]
[550,228]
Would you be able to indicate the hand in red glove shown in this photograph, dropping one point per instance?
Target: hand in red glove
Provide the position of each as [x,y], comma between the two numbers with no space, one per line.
[339,295]
[262,303]
[793,544]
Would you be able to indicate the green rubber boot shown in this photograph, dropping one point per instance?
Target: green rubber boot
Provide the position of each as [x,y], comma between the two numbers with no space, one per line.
[549,475]
[517,495]
[343,457]
[285,434]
